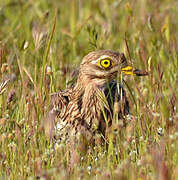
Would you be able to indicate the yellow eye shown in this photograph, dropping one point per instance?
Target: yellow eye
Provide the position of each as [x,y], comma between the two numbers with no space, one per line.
[105,63]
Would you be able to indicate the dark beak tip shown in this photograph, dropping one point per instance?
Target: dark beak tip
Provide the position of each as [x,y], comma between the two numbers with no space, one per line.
[141,73]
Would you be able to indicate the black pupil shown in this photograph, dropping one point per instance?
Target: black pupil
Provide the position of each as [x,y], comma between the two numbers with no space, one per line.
[105,62]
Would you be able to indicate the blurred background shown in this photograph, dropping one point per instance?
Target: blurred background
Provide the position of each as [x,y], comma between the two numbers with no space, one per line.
[43,42]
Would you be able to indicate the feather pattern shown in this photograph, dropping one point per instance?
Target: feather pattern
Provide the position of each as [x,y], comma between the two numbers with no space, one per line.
[89,106]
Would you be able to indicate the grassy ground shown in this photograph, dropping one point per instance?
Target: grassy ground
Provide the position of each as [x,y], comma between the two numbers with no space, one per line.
[41,42]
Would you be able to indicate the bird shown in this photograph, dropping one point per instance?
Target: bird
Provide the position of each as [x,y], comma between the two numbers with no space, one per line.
[89,106]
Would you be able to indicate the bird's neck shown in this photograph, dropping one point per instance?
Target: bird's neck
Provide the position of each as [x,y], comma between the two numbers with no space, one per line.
[87,99]
[84,87]
[87,86]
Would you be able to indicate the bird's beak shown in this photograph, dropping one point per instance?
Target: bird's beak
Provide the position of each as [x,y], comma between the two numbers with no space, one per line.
[130,70]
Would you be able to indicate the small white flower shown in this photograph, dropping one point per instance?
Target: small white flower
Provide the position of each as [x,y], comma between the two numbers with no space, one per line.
[171,136]
[133,141]
[129,117]
[132,153]
[153,106]
[170,119]
[48,151]
[139,162]
[160,131]
[49,70]
[173,145]
[12,144]
[174,108]
[26,44]
[155,114]
[176,134]
[7,116]
[89,168]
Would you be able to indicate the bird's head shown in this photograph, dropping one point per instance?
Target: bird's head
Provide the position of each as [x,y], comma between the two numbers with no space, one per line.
[104,65]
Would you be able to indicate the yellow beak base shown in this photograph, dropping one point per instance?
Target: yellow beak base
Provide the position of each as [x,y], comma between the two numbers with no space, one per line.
[129,70]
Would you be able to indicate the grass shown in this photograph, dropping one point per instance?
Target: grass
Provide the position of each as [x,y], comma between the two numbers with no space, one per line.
[41,42]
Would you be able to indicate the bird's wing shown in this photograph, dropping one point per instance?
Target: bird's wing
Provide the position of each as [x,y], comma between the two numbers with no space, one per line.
[57,108]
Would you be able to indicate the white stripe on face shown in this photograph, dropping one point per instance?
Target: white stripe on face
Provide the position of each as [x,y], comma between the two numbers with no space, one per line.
[100,58]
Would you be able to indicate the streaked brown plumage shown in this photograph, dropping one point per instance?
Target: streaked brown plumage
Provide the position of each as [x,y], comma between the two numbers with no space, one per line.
[88,107]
